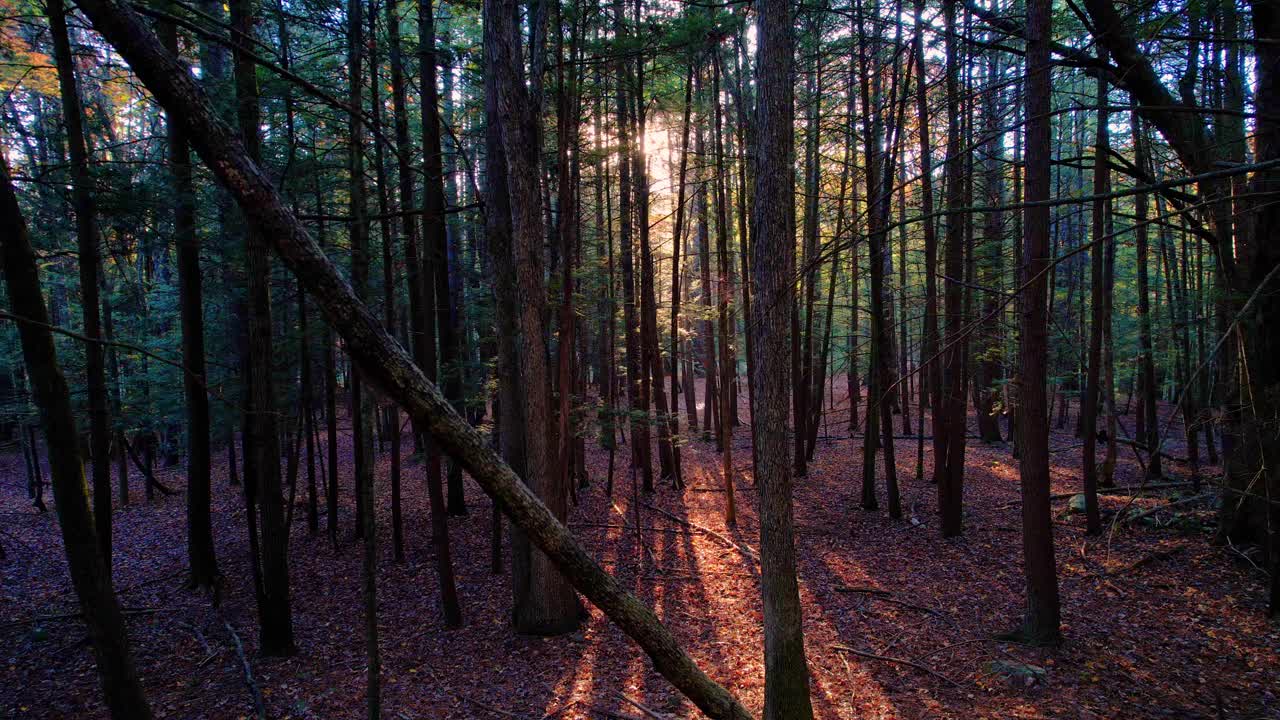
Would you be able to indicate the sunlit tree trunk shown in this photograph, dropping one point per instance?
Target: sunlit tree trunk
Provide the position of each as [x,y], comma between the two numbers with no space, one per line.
[773,267]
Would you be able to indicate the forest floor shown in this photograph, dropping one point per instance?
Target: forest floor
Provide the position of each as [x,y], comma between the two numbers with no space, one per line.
[1159,623]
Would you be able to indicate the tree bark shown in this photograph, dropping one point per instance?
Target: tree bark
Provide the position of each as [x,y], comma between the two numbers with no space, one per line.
[89,573]
[1092,391]
[637,407]
[262,452]
[677,280]
[88,240]
[1041,623]
[361,402]
[545,604]
[436,307]
[1150,436]
[773,268]
[949,424]
[931,380]
[728,359]
[200,553]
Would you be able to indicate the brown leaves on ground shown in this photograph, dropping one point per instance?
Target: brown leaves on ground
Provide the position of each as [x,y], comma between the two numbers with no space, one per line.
[898,622]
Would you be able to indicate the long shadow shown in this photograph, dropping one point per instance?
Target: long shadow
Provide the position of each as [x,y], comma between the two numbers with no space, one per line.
[671,580]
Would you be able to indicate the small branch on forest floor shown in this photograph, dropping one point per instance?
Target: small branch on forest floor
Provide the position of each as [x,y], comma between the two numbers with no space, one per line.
[144,583]
[646,710]
[1127,490]
[467,698]
[727,541]
[617,715]
[1144,560]
[952,646]
[199,636]
[897,661]
[701,576]
[1118,491]
[559,710]
[74,616]
[610,526]
[862,590]
[259,708]
[1166,506]
[886,596]
[490,708]
[1237,551]
[1125,441]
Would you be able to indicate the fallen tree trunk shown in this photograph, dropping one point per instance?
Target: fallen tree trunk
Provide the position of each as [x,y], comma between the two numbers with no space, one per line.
[382,361]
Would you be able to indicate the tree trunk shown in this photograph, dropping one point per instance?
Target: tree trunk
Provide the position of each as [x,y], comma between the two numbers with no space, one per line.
[728,359]
[113,374]
[89,573]
[1041,623]
[652,358]
[931,379]
[200,553]
[773,267]
[435,235]
[989,267]
[389,414]
[949,424]
[330,403]
[545,604]
[707,332]
[88,240]
[435,293]
[802,390]
[262,447]
[677,280]
[1150,434]
[1092,392]
[361,402]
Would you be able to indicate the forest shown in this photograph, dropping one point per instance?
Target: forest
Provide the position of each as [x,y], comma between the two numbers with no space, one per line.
[639,359]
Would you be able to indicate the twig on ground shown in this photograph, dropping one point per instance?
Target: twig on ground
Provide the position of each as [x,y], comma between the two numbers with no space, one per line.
[614,713]
[209,653]
[646,710]
[886,596]
[614,526]
[1231,547]
[897,661]
[259,708]
[727,541]
[153,580]
[1148,558]
[1166,506]
[490,708]
[952,646]
[862,590]
[559,710]
[73,616]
